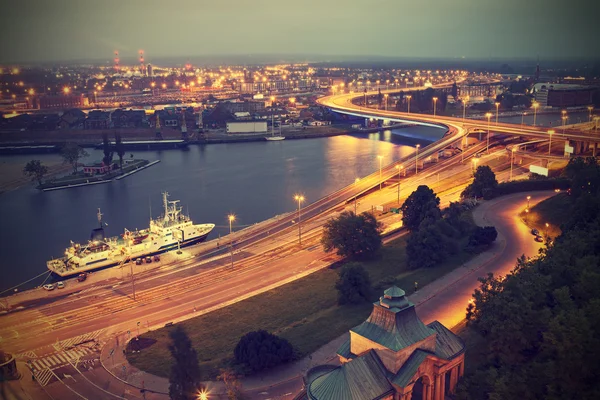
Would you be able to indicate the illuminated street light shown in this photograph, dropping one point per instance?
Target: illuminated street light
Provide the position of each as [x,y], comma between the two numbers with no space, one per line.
[564,120]
[535,107]
[386,101]
[408,98]
[231,218]
[465,101]
[474,160]
[523,118]
[497,107]
[512,156]
[399,167]
[487,149]
[202,395]
[550,132]
[435,99]
[526,214]
[66,90]
[417,159]
[299,198]
[380,181]
[590,109]
[528,198]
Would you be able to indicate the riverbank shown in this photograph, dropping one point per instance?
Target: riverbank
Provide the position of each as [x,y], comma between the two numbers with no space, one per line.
[36,142]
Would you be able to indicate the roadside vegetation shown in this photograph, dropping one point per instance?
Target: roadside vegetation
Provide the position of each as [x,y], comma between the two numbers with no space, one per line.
[307,313]
[535,333]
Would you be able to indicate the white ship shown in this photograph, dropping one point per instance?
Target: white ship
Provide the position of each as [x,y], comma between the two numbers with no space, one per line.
[172,230]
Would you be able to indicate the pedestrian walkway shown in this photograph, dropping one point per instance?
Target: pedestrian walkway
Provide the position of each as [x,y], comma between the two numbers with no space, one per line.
[114,361]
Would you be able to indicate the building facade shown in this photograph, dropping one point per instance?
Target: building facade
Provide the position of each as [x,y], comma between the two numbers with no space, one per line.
[393,355]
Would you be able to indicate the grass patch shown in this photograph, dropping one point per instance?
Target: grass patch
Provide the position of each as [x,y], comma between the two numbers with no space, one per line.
[553,211]
[305,312]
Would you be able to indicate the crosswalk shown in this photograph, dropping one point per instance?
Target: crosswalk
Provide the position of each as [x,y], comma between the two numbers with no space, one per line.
[65,344]
[58,359]
[43,377]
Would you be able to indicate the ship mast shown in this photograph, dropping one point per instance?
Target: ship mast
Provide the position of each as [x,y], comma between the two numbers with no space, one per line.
[166,205]
[99,215]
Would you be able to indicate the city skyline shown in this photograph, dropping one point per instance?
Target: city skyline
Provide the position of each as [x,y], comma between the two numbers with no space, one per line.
[44,31]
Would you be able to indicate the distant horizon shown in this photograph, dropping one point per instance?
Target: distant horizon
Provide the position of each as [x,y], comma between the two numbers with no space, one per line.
[271,58]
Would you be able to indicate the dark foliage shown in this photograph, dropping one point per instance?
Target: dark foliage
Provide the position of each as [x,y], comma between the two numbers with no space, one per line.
[483,236]
[430,245]
[531,185]
[421,205]
[483,186]
[72,153]
[541,324]
[353,284]
[106,148]
[185,372]
[262,350]
[119,148]
[353,236]
[35,170]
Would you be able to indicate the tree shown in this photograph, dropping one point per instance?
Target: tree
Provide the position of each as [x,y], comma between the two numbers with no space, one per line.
[422,204]
[119,148]
[108,154]
[353,236]
[483,236]
[260,350]
[353,284]
[232,384]
[484,184]
[185,372]
[72,153]
[35,170]
[429,245]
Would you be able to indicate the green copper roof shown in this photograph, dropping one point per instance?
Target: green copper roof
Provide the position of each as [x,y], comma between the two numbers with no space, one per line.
[447,344]
[363,378]
[393,323]
[410,367]
[344,350]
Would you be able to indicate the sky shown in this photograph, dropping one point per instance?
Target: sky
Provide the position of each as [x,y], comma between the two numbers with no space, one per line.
[61,30]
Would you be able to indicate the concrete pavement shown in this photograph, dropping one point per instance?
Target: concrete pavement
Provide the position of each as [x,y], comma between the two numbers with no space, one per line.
[444,300]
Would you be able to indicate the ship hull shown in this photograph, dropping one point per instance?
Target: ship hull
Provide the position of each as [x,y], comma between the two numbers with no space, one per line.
[102,264]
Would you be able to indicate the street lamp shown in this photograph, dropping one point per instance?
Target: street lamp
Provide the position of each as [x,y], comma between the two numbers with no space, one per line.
[550,132]
[523,118]
[386,101]
[546,233]
[512,156]
[564,120]
[387,84]
[202,395]
[272,116]
[474,160]
[535,107]
[380,181]
[356,195]
[465,100]
[408,98]
[299,198]
[399,167]
[231,218]
[497,107]
[590,109]
[417,159]
[435,99]
[528,198]
[526,214]
[487,149]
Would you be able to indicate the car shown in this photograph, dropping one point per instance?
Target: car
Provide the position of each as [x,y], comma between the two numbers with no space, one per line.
[538,238]
[148,260]
[48,286]
[60,285]
[535,232]
[156,257]
[139,261]
[81,277]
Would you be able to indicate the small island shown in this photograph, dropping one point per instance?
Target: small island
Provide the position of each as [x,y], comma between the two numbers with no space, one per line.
[103,171]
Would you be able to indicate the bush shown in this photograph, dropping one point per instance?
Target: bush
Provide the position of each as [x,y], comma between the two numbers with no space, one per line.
[353,284]
[262,350]
[531,185]
[483,236]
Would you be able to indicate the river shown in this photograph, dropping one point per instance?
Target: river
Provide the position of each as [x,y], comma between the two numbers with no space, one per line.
[255,181]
